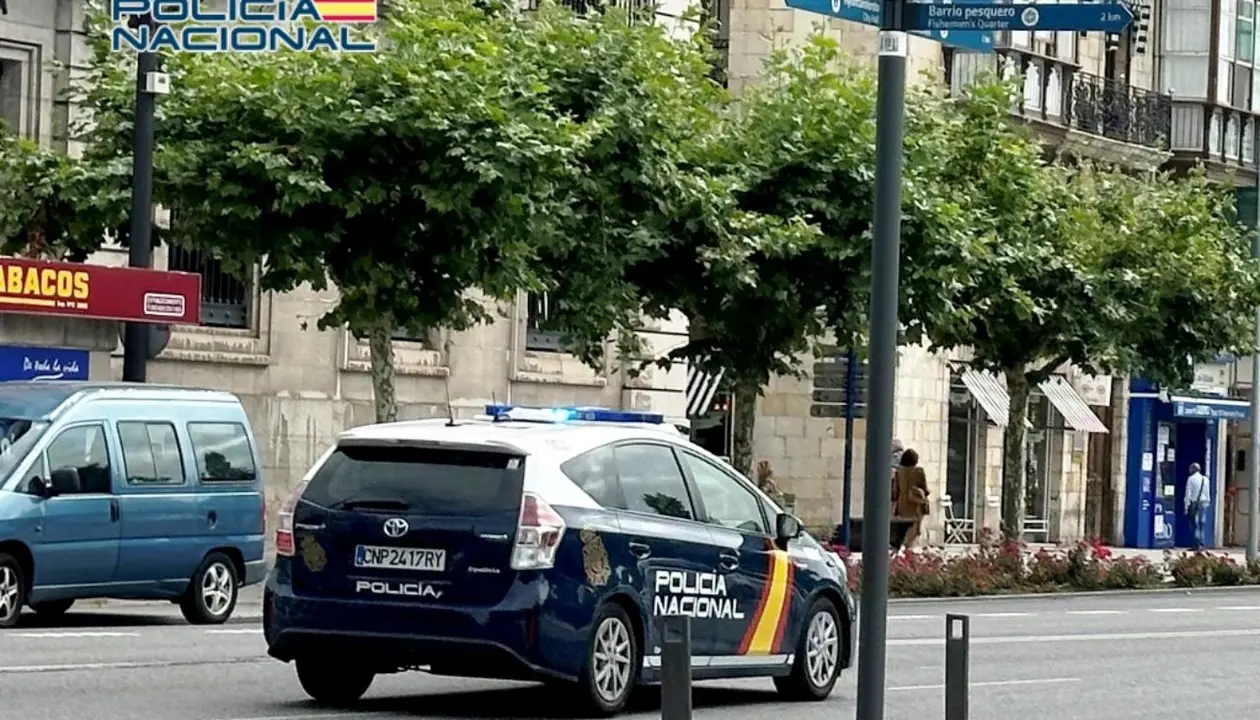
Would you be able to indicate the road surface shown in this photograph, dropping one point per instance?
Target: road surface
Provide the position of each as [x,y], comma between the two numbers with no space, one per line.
[1090,658]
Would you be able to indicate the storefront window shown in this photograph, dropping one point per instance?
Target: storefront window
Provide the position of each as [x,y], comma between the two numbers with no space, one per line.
[961,466]
[1043,444]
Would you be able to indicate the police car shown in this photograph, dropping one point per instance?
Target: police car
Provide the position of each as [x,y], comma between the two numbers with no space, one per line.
[542,544]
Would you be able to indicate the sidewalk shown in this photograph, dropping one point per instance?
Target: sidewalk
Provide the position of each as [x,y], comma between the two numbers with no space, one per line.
[1152,556]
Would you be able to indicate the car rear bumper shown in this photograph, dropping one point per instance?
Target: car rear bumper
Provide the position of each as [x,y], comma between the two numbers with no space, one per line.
[496,642]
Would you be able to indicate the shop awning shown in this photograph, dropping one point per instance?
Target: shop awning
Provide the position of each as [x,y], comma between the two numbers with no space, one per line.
[1071,406]
[1210,408]
[991,393]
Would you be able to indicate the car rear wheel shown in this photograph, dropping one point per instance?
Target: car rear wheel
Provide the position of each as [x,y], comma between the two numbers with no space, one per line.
[211,596]
[332,683]
[817,663]
[12,590]
[53,608]
[612,662]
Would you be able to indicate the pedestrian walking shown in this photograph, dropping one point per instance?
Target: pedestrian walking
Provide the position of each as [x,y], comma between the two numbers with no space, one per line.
[910,495]
[1198,497]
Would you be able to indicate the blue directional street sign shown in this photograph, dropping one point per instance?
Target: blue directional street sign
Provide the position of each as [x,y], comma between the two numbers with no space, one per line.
[866,12]
[1098,17]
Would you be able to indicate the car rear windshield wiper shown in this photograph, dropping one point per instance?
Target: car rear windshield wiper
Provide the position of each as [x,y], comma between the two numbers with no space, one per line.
[369,504]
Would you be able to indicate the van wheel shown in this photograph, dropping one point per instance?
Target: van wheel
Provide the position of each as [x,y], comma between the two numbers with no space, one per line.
[211,596]
[331,683]
[817,662]
[53,608]
[612,662]
[12,590]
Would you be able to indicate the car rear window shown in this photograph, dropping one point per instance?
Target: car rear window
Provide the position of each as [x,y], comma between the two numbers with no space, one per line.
[428,480]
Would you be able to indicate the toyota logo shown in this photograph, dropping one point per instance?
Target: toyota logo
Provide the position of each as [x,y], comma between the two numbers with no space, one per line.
[396,527]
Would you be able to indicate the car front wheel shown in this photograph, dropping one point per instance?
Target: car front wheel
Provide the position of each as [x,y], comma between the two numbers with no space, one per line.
[817,662]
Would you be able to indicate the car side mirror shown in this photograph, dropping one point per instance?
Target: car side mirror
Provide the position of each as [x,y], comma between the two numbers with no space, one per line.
[39,488]
[787,527]
[65,481]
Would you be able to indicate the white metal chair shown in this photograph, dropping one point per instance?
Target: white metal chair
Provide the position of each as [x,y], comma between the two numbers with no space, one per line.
[958,531]
[1037,526]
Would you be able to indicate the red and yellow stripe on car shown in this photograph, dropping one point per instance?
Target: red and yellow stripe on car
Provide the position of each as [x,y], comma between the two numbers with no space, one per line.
[765,632]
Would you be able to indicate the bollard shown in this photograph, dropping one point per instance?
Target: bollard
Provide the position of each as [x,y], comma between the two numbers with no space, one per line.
[676,668]
[957,653]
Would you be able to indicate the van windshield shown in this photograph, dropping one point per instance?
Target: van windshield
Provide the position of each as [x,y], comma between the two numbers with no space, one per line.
[17,437]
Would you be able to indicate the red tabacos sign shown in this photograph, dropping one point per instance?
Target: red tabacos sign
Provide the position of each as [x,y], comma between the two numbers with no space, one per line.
[41,287]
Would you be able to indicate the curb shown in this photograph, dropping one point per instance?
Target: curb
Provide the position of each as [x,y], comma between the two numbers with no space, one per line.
[1078,594]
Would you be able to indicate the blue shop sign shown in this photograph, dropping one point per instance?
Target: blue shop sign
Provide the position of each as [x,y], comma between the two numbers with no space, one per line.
[1211,409]
[42,363]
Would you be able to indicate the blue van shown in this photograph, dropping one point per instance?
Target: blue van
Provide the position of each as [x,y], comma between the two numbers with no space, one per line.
[138,492]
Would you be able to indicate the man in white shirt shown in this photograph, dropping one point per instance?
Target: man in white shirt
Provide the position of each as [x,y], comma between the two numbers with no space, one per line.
[1198,496]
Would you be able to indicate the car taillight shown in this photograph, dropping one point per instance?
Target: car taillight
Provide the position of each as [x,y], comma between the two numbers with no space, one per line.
[285,546]
[537,535]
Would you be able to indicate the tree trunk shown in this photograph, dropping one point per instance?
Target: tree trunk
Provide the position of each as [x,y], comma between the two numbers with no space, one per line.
[381,346]
[744,396]
[1014,471]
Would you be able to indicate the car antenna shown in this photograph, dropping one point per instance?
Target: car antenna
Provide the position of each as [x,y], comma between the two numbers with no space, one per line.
[450,409]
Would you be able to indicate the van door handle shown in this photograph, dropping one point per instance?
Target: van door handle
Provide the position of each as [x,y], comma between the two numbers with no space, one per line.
[728,561]
[212,518]
[640,549]
[115,512]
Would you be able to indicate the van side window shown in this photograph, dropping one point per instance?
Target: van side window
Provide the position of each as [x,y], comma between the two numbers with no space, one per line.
[223,452]
[151,454]
[84,450]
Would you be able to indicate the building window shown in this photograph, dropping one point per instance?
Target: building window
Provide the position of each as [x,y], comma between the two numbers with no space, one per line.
[965,448]
[13,96]
[537,312]
[1245,42]
[224,297]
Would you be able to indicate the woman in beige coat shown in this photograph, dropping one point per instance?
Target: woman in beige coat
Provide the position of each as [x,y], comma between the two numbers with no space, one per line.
[910,495]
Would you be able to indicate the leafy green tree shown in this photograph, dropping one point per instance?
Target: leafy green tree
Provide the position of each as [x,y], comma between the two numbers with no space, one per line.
[1109,272]
[53,206]
[416,180]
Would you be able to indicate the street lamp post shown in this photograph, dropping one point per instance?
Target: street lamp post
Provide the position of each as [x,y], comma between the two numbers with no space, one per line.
[140,250]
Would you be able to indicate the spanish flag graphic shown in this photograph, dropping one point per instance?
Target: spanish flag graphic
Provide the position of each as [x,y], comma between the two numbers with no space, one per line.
[346,11]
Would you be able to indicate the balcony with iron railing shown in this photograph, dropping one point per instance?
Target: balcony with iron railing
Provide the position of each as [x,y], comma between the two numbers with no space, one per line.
[1090,115]
[1221,137]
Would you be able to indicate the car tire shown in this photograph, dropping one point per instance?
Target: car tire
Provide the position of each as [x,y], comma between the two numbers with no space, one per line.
[613,638]
[333,683]
[53,608]
[211,595]
[816,666]
[12,590]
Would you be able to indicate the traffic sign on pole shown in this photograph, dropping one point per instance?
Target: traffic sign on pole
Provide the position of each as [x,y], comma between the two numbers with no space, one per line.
[866,12]
[1100,17]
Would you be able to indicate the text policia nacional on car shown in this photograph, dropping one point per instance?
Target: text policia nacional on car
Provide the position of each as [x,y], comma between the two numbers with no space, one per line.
[693,594]
[202,26]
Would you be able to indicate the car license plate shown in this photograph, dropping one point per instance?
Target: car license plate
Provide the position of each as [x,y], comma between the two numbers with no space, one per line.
[395,558]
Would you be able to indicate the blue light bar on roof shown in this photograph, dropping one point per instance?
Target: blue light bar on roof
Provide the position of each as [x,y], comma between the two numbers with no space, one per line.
[571,414]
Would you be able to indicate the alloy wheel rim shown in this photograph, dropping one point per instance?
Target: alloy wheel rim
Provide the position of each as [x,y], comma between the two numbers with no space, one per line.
[822,648]
[9,589]
[216,589]
[611,660]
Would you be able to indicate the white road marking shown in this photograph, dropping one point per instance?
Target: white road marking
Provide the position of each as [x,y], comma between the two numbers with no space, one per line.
[916,617]
[1244,608]
[315,716]
[236,631]
[77,667]
[1004,615]
[68,634]
[1008,639]
[1175,610]
[991,683]
[1097,612]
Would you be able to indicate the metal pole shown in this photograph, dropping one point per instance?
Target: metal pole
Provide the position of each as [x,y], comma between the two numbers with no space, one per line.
[850,379]
[1253,477]
[676,668]
[136,335]
[957,666]
[885,261]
